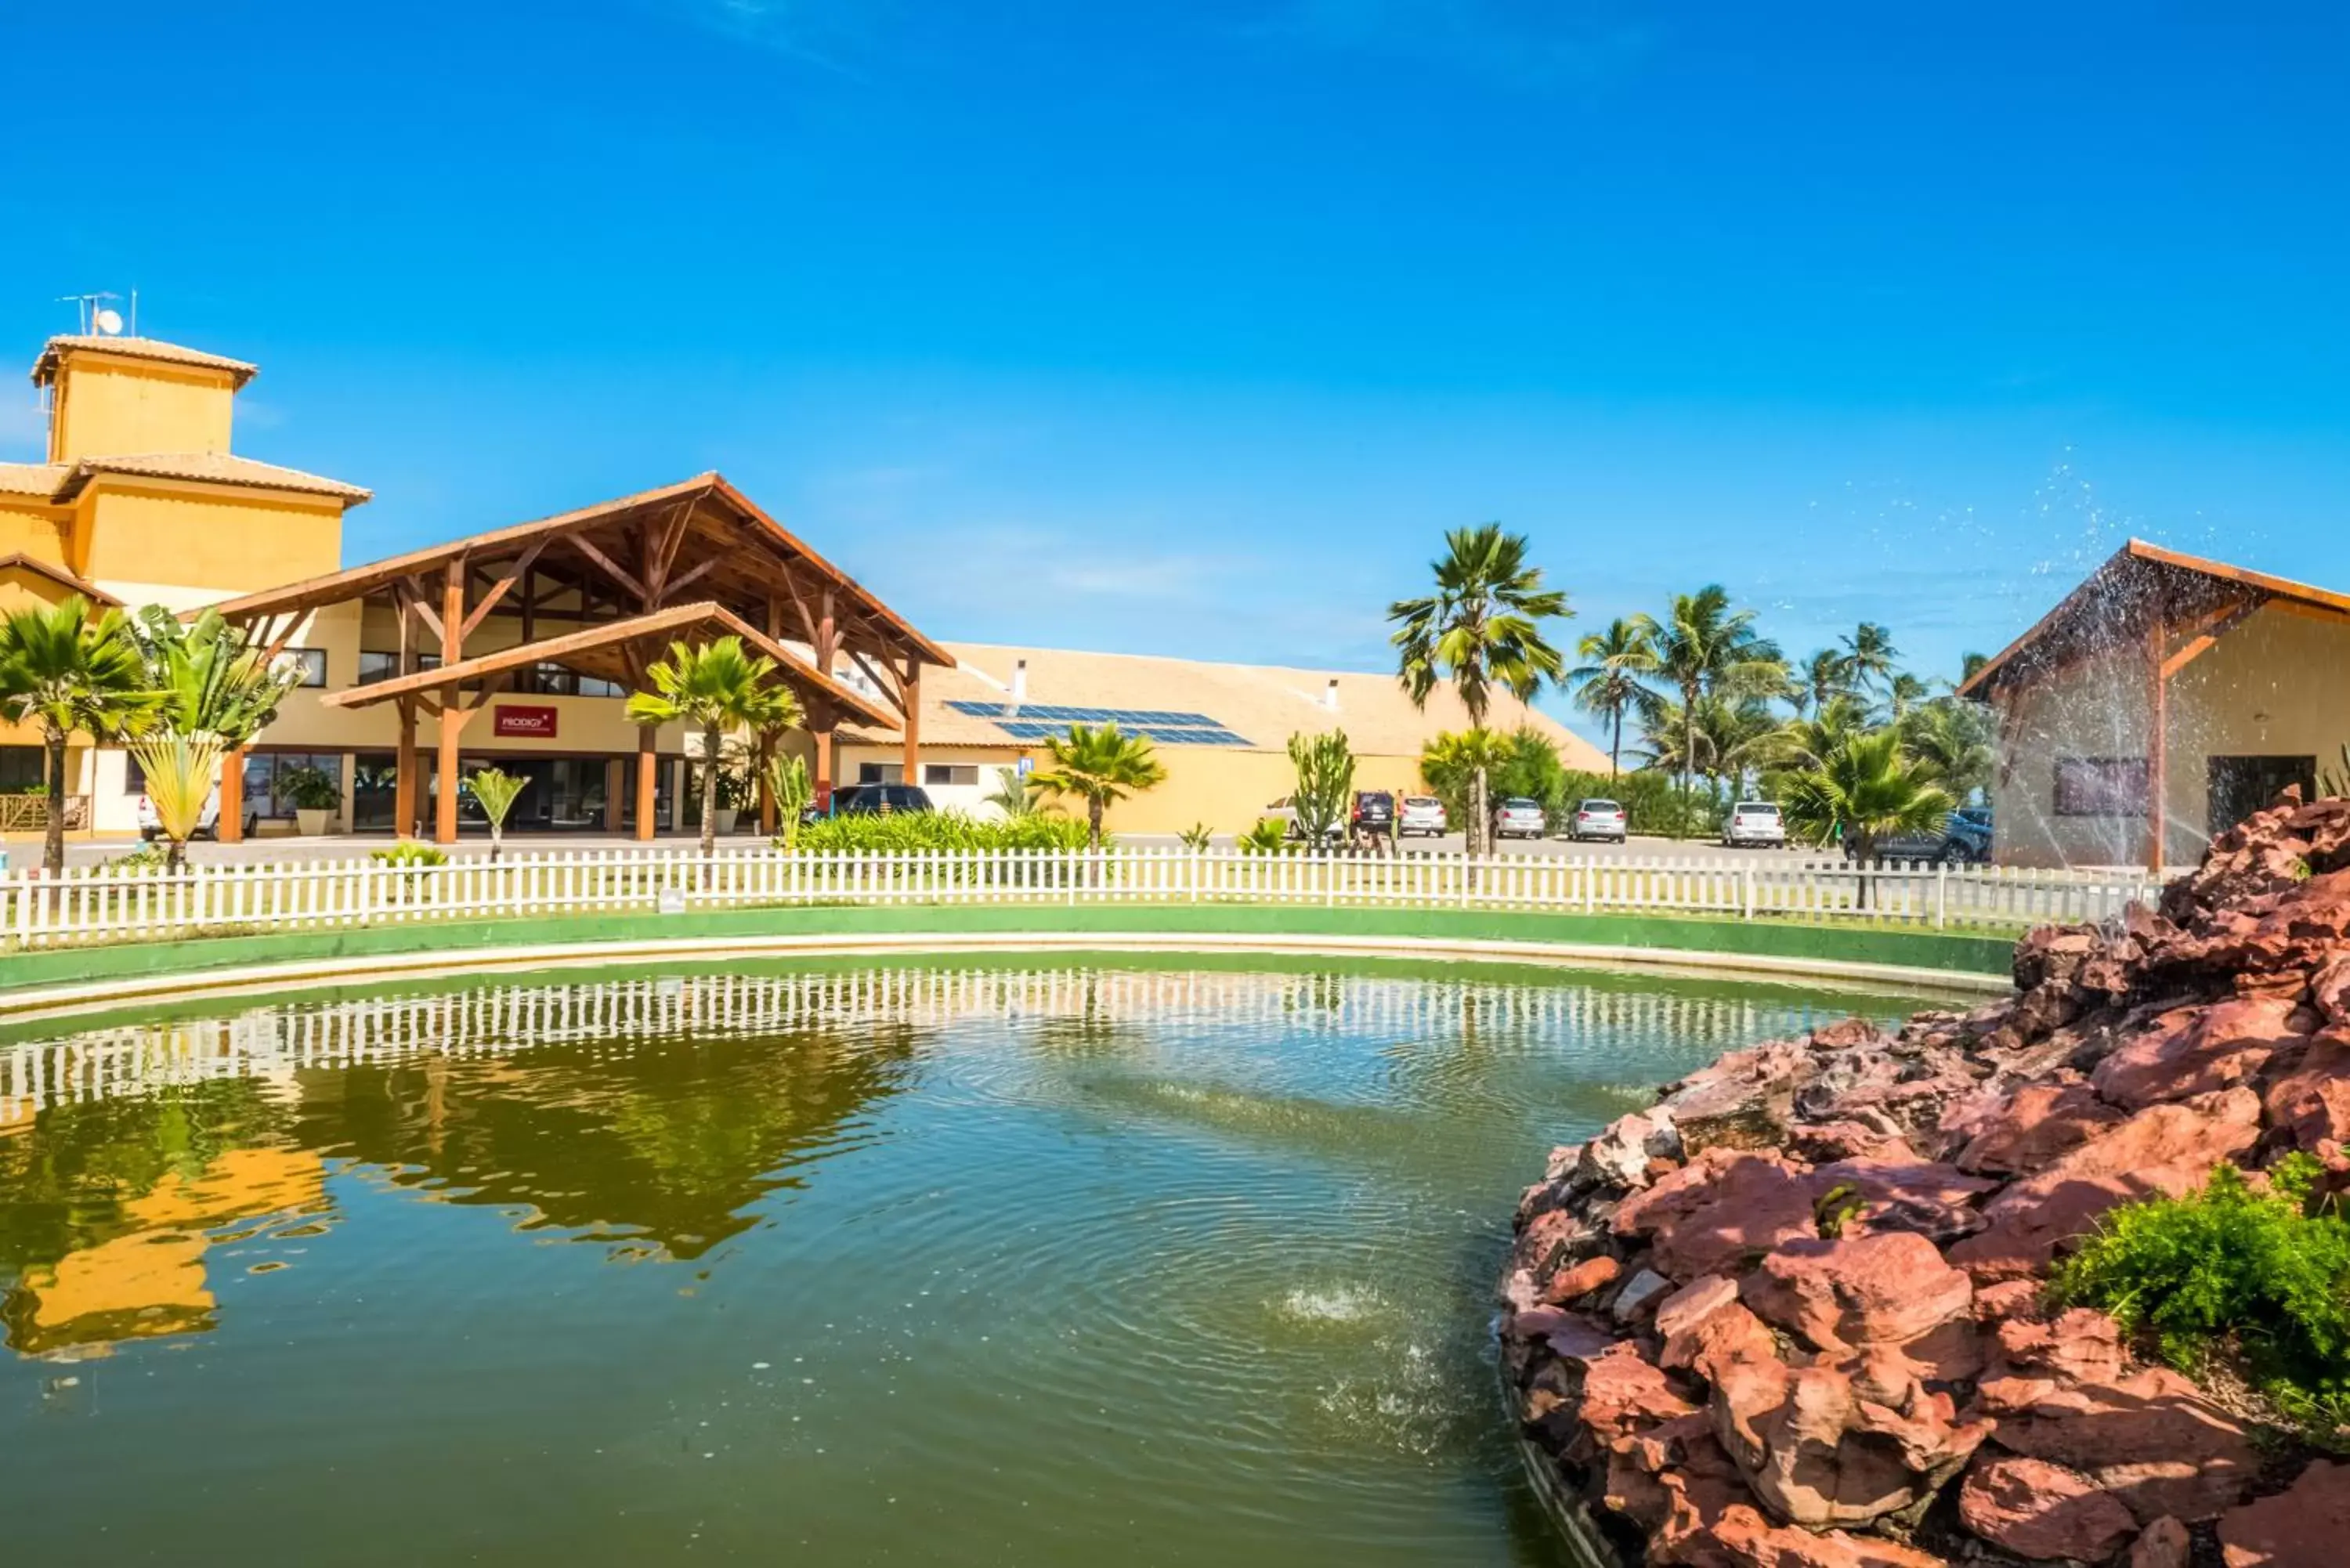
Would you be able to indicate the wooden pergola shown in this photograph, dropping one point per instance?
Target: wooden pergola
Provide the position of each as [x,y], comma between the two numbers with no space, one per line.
[2172,609]
[625,578]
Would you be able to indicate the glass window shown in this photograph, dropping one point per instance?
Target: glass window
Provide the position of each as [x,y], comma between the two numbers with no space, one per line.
[949,774]
[22,769]
[313,664]
[375,667]
[265,778]
[879,773]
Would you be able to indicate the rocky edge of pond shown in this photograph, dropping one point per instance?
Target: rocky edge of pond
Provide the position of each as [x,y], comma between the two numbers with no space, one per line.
[1793,1314]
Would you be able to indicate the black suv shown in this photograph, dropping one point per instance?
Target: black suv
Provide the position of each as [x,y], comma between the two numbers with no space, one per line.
[1374,813]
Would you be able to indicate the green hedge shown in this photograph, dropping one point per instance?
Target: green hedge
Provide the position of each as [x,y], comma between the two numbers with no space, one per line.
[904,832]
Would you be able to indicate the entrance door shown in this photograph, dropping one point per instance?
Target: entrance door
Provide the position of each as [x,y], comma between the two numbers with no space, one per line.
[2242,785]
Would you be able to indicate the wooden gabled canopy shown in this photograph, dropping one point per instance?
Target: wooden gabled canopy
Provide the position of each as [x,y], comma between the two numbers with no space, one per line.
[619,651]
[701,540]
[618,577]
[2140,587]
[2166,608]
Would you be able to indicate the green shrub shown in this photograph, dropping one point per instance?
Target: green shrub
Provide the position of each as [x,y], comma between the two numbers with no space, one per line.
[913,832]
[149,857]
[2268,1272]
[1269,836]
[1197,836]
[409,852]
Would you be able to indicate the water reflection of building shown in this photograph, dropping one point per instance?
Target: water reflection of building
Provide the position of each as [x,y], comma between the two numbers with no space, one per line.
[621,1015]
[144,1273]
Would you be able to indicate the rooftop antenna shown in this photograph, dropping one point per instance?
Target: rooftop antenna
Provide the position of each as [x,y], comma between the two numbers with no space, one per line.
[93,314]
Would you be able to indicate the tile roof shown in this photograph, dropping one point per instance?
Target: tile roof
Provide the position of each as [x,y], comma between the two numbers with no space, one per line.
[54,352]
[19,561]
[1261,704]
[209,467]
[40,479]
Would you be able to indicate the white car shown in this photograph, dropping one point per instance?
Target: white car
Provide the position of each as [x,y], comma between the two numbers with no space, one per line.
[1756,822]
[1598,819]
[1284,811]
[207,820]
[1518,817]
[1422,814]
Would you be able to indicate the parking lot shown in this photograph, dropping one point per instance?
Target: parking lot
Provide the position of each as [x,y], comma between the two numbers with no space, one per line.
[280,851]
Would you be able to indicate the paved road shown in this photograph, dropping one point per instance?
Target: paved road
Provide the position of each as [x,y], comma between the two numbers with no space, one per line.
[22,853]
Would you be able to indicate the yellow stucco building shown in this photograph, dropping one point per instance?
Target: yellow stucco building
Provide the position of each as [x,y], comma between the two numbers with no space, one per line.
[517,646]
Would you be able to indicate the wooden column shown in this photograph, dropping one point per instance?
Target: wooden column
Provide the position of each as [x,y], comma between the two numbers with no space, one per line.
[229,826]
[452,721]
[911,696]
[405,770]
[2157,734]
[647,780]
[821,731]
[452,732]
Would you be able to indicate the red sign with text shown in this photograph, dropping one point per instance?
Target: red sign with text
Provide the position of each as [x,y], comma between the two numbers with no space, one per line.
[535,722]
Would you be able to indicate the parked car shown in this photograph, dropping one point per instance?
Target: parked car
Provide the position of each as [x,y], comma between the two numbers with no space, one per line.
[1374,814]
[1284,811]
[878,800]
[1598,819]
[1422,814]
[1518,817]
[1964,840]
[207,820]
[1755,823]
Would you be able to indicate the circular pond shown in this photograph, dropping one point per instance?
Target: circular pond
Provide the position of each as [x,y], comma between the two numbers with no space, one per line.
[1032,1263]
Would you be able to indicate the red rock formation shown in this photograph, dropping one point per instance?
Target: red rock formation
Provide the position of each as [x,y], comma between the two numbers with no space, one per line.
[1791,1316]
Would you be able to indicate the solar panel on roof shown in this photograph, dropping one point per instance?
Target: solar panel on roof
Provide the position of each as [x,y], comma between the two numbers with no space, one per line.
[1042,720]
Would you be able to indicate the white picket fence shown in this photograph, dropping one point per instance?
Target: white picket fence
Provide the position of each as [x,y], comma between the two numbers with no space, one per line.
[107,904]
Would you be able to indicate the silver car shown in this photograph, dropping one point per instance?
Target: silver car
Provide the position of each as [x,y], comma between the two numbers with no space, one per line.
[1422,814]
[1518,817]
[1754,823]
[1598,819]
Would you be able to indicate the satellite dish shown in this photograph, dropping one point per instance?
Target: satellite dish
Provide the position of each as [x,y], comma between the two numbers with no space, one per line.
[107,321]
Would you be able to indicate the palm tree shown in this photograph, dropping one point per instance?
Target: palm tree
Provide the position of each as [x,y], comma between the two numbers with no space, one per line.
[1865,789]
[1806,742]
[1904,692]
[1869,654]
[215,692]
[209,679]
[715,687]
[1951,740]
[1705,648]
[1825,678]
[1013,795]
[1450,763]
[1480,627]
[496,791]
[71,674]
[1100,765]
[1608,682]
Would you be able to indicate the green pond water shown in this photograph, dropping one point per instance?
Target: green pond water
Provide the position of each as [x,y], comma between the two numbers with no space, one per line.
[1029,1264]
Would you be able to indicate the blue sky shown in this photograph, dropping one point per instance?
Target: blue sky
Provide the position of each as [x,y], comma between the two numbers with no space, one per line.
[1189,328]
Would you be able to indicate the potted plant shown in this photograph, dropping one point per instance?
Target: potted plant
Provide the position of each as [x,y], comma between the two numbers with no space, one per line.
[316,795]
[738,789]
